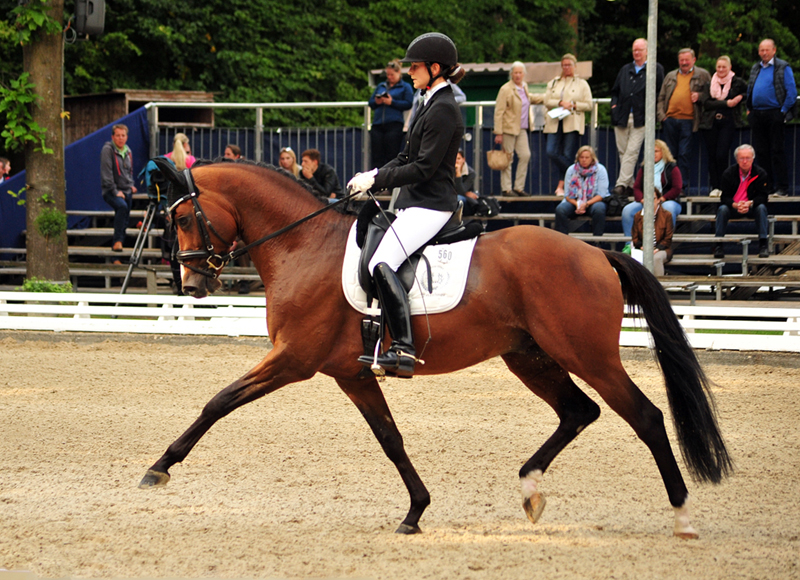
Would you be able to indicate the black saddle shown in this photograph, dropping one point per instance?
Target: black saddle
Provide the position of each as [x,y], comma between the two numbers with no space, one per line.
[372,226]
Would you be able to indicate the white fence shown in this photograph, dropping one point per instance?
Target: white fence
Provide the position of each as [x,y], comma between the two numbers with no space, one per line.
[708,327]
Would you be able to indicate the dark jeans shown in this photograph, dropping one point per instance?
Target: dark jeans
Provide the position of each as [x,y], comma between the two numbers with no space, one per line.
[387,142]
[565,211]
[767,133]
[758,213]
[561,148]
[678,137]
[718,144]
[122,212]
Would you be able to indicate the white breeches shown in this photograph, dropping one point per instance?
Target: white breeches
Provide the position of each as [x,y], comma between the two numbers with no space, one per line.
[413,227]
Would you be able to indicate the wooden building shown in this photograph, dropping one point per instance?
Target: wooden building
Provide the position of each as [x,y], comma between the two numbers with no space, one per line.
[88,113]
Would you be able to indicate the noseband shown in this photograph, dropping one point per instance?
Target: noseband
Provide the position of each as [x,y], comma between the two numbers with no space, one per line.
[216,262]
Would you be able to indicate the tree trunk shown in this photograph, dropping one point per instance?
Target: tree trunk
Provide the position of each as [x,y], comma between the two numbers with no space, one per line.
[47,257]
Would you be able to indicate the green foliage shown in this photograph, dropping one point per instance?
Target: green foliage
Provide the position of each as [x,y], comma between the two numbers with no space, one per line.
[19,195]
[40,285]
[32,18]
[20,128]
[51,223]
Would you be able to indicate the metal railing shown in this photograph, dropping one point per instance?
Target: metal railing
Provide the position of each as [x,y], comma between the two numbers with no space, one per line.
[347,148]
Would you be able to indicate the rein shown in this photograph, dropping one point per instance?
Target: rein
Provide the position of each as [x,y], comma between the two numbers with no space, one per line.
[216,262]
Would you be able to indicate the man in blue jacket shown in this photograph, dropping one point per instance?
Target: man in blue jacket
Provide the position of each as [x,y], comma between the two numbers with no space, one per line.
[771,97]
[390,99]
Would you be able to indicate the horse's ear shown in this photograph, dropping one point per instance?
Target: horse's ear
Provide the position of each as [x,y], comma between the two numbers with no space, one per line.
[170,172]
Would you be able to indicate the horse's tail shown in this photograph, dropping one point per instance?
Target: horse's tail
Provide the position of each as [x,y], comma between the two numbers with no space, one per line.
[688,392]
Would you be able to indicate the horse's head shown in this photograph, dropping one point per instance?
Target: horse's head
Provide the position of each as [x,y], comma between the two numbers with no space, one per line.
[206,233]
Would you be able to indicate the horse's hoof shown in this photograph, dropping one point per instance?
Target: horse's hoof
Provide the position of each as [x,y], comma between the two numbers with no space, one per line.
[534,506]
[407,530]
[687,535]
[153,479]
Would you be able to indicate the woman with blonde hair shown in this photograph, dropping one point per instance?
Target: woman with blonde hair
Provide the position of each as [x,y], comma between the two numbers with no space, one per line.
[181,154]
[570,97]
[586,188]
[667,179]
[512,123]
[288,161]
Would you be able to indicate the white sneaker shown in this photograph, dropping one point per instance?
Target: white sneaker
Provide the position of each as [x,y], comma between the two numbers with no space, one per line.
[715,193]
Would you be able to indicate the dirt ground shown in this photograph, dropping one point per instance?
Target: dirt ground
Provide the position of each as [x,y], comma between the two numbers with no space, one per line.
[295,486]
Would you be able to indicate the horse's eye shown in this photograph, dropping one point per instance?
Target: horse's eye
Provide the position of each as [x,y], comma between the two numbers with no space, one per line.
[183,222]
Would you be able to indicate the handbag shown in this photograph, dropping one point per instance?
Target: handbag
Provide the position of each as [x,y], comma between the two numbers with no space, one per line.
[615,203]
[498,159]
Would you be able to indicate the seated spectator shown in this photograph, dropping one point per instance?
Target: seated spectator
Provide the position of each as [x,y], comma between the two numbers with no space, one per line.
[233,152]
[320,176]
[5,169]
[181,153]
[662,253]
[465,180]
[586,187]
[116,180]
[744,195]
[667,179]
[288,161]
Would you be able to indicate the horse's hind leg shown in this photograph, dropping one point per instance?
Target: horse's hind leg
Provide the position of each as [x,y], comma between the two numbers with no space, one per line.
[367,396]
[613,384]
[575,410]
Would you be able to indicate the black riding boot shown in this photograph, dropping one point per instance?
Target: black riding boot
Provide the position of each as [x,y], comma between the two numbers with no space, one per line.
[400,358]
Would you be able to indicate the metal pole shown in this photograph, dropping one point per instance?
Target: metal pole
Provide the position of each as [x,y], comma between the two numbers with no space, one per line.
[365,139]
[593,125]
[648,229]
[477,160]
[152,118]
[259,134]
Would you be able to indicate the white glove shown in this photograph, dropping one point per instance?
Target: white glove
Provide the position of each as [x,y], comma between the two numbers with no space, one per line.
[362,182]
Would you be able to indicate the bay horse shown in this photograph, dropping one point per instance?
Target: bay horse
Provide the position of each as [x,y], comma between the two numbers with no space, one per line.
[547,304]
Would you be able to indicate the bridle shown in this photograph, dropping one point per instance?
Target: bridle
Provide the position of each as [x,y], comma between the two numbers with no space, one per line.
[215,262]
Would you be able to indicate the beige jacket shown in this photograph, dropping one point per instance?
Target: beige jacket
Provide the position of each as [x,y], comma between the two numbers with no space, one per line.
[508,109]
[573,90]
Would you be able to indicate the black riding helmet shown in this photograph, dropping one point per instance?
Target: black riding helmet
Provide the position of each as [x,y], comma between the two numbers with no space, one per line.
[432,47]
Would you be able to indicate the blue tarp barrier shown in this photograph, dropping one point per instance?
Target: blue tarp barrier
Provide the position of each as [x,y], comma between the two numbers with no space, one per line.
[82,169]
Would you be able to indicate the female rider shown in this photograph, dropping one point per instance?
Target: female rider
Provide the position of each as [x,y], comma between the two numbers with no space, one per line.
[425,172]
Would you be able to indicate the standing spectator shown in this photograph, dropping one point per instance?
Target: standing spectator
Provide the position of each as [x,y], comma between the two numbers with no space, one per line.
[288,161]
[744,195]
[662,251]
[666,178]
[116,180]
[181,153]
[320,176]
[389,100]
[233,152]
[587,187]
[771,96]
[5,169]
[566,93]
[680,106]
[722,115]
[511,124]
[627,113]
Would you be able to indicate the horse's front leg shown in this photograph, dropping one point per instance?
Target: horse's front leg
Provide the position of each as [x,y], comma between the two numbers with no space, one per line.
[368,397]
[272,373]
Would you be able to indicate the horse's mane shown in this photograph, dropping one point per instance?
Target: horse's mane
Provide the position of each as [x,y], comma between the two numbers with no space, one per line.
[344,208]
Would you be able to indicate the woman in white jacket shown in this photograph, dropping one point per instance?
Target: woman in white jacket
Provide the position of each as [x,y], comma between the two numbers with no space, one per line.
[571,97]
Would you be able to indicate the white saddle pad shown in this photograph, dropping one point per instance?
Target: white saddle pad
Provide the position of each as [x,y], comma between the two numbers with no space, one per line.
[449,269]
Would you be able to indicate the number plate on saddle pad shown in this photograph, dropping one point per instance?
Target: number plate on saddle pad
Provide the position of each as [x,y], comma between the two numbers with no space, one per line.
[449,269]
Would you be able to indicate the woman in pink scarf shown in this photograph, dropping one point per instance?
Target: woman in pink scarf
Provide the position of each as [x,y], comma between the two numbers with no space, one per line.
[722,115]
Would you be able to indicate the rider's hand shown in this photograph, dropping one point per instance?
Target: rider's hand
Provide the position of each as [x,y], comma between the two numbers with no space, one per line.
[362,182]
